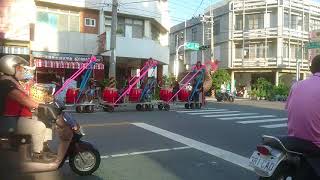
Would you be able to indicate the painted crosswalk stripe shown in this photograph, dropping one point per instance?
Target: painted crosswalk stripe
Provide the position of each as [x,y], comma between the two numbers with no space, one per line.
[204,110]
[212,112]
[226,115]
[246,117]
[275,125]
[262,121]
[212,150]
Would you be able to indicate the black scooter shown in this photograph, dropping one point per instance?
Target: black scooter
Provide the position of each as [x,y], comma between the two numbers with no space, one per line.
[285,157]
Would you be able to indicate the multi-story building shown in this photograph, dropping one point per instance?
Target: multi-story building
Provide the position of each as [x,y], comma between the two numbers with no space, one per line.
[189,31]
[264,38]
[65,33]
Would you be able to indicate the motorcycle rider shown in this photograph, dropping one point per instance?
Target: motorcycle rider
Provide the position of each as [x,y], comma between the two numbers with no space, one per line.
[16,105]
[303,106]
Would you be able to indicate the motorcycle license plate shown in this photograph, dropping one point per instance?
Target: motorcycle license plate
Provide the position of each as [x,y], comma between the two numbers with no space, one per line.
[266,164]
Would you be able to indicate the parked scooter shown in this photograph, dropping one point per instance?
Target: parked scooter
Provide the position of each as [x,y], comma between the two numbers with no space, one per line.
[286,157]
[227,97]
[84,159]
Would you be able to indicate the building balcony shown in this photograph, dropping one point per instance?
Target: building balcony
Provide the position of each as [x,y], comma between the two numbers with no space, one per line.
[255,63]
[255,33]
[65,42]
[297,34]
[285,63]
[252,4]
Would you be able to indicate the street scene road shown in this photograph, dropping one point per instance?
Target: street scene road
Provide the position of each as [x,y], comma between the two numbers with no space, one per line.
[212,143]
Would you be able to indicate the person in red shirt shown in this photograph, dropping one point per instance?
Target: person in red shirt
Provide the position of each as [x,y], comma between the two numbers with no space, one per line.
[16,105]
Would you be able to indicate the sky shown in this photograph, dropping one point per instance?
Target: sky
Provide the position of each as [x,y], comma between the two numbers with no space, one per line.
[181,9]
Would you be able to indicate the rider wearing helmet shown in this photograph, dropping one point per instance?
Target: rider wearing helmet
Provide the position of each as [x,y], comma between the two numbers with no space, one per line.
[16,105]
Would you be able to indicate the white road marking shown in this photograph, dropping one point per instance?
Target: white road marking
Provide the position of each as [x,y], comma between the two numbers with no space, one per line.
[262,121]
[216,112]
[226,115]
[275,126]
[143,152]
[215,151]
[200,110]
[246,117]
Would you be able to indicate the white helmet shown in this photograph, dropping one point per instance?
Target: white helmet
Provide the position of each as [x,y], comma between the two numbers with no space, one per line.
[8,64]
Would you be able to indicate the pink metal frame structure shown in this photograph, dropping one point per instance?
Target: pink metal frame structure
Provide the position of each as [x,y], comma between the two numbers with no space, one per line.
[151,63]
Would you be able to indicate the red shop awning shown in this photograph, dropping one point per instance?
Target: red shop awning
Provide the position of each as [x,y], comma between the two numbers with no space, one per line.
[63,64]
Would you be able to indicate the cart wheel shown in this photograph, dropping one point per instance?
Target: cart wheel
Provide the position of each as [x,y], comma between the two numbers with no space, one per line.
[192,105]
[110,108]
[187,106]
[150,107]
[79,109]
[167,107]
[144,107]
[160,107]
[105,109]
[89,109]
[138,107]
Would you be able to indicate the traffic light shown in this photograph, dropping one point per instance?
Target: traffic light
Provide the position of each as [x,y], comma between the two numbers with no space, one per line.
[204,47]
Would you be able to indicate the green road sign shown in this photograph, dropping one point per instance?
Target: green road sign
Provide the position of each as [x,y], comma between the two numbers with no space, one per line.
[313,45]
[192,46]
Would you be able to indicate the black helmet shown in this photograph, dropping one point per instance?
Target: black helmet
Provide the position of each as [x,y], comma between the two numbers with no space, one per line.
[8,64]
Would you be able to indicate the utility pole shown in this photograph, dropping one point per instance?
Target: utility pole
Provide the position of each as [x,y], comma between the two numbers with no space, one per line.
[113,42]
[203,32]
[212,32]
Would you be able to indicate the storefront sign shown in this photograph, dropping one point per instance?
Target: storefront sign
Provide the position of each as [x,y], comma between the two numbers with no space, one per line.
[63,56]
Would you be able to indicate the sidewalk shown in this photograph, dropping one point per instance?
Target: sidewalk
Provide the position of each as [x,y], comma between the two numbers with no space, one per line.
[247,102]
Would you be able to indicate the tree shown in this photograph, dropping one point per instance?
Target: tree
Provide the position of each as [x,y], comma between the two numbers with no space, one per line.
[220,77]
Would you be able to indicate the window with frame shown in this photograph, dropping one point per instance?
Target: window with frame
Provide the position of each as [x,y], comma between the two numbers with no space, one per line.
[121,27]
[137,29]
[61,20]
[239,22]
[155,33]
[89,22]
[286,20]
[254,21]
[285,50]
[239,51]
[216,27]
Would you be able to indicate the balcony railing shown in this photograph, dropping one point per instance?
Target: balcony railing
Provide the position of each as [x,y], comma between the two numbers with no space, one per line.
[269,63]
[255,33]
[255,63]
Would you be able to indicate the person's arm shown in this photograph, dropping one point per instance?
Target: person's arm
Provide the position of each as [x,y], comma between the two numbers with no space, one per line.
[289,96]
[18,96]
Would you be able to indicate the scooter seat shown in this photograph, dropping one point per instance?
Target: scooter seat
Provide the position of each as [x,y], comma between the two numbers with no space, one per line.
[292,144]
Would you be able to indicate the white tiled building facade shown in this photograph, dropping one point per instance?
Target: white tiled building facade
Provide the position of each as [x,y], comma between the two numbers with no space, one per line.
[263,38]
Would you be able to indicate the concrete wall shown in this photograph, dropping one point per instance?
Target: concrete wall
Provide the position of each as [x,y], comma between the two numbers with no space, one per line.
[64,42]
[142,48]
[145,9]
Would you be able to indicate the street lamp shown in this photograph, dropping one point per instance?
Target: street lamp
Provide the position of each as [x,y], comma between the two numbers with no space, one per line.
[176,63]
